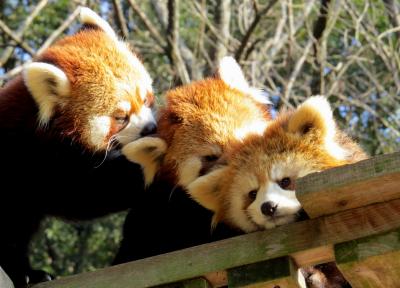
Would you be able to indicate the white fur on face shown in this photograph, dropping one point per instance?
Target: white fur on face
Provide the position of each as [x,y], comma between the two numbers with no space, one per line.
[99,129]
[136,124]
[288,206]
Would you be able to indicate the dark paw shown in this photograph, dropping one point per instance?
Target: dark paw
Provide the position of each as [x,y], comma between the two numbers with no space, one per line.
[37,276]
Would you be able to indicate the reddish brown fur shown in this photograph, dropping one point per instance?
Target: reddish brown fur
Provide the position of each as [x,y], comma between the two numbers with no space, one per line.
[204,113]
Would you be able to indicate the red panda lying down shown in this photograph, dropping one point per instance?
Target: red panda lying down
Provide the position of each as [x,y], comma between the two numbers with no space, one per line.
[256,189]
[59,120]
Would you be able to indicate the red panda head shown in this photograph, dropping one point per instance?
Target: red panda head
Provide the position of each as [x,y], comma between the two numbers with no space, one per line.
[256,190]
[91,87]
[199,121]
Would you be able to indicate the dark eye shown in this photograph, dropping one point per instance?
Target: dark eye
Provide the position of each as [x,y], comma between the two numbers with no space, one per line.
[285,183]
[253,194]
[122,120]
[211,158]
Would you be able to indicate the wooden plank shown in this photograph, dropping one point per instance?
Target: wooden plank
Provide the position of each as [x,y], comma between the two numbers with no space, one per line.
[314,256]
[278,272]
[370,181]
[242,250]
[372,261]
[192,283]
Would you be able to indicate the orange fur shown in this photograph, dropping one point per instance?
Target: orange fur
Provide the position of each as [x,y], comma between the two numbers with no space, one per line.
[293,145]
[200,120]
[102,72]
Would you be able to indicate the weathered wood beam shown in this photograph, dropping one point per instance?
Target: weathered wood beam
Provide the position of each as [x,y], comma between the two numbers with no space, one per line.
[278,272]
[370,181]
[192,283]
[372,261]
[314,256]
[242,250]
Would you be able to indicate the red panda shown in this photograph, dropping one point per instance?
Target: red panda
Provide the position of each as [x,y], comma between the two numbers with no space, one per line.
[197,124]
[59,121]
[256,189]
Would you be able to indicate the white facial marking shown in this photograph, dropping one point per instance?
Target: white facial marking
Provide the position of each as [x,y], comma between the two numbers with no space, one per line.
[255,127]
[288,206]
[125,106]
[99,129]
[136,124]
[189,170]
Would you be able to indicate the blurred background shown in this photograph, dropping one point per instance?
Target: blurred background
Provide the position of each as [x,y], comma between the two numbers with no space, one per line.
[348,50]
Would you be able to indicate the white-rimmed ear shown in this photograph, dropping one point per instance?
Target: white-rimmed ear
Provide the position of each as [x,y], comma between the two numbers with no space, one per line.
[147,152]
[230,72]
[88,16]
[47,85]
[314,118]
[204,189]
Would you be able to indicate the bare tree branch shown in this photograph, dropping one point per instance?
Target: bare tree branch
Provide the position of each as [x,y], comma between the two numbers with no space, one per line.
[173,41]
[21,30]
[121,18]
[252,27]
[223,17]
[159,40]
[17,39]
[58,31]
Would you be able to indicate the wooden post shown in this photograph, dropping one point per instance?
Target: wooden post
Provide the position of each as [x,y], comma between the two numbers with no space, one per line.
[275,273]
[372,261]
[192,283]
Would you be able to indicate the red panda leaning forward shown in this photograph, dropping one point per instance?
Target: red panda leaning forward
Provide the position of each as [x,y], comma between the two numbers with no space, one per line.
[59,119]
[196,126]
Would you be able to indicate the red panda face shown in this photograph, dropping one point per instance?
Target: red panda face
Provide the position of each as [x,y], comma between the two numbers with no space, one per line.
[201,119]
[256,190]
[92,88]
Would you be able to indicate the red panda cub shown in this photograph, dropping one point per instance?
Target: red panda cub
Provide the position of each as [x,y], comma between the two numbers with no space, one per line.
[197,124]
[256,189]
[59,119]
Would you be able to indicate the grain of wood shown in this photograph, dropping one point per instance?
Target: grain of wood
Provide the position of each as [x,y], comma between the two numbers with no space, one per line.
[372,261]
[237,251]
[351,186]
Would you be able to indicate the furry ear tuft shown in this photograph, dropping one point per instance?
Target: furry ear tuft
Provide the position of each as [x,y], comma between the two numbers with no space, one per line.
[314,118]
[147,152]
[315,114]
[47,85]
[204,189]
[88,16]
[230,72]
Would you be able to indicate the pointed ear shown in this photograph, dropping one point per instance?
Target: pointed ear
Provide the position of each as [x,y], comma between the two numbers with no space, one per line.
[147,152]
[205,189]
[89,17]
[47,84]
[314,118]
[230,72]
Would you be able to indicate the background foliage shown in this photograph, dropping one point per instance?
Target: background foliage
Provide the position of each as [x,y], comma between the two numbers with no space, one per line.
[347,50]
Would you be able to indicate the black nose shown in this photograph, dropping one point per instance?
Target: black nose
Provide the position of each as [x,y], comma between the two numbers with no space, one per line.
[150,128]
[269,208]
